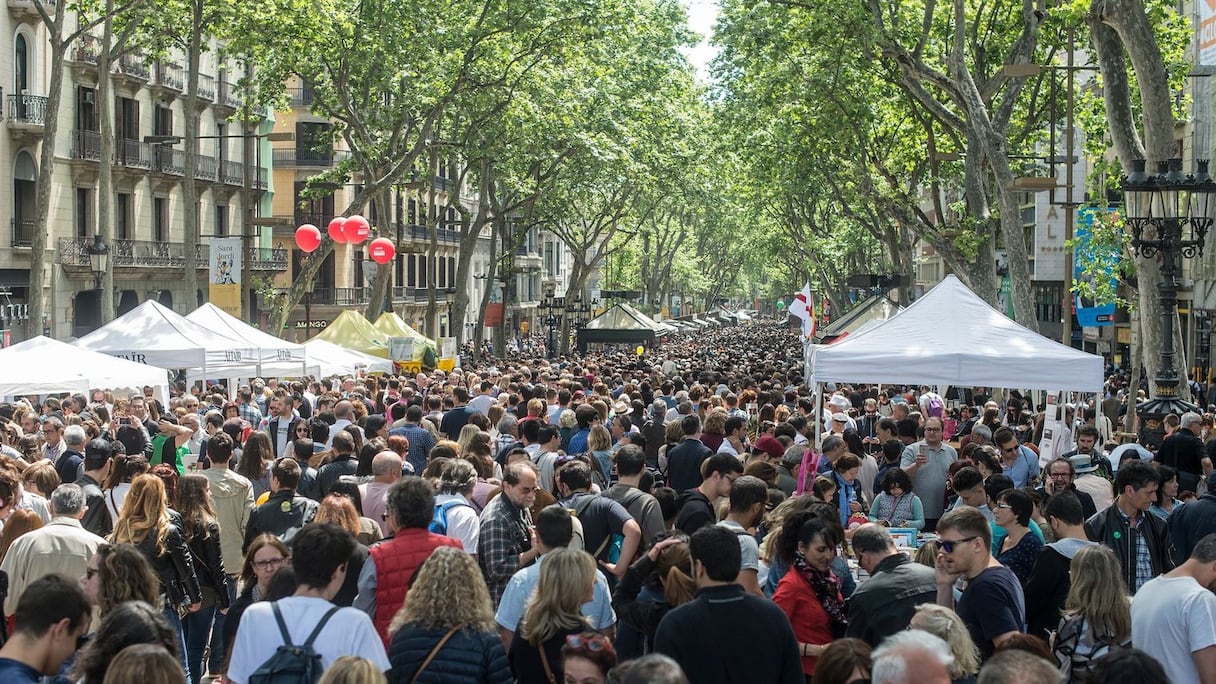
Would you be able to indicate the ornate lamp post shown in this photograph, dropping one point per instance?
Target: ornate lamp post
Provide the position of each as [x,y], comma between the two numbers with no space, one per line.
[1169,214]
[99,256]
[550,311]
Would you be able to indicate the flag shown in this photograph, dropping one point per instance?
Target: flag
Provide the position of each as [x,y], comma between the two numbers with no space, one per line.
[802,309]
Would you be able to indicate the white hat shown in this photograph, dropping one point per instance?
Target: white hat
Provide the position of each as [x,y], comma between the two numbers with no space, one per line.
[840,417]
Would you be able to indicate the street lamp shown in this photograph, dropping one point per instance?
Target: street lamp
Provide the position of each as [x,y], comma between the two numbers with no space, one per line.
[550,310]
[99,257]
[1169,214]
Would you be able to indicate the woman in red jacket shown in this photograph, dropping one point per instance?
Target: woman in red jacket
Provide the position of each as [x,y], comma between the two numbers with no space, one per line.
[809,593]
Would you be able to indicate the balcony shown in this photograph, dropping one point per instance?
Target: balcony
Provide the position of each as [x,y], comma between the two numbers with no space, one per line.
[131,70]
[73,254]
[320,220]
[83,56]
[170,77]
[419,234]
[26,11]
[306,158]
[232,172]
[341,296]
[168,161]
[23,232]
[299,96]
[206,168]
[26,114]
[266,259]
[230,96]
[206,87]
[418,295]
[133,154]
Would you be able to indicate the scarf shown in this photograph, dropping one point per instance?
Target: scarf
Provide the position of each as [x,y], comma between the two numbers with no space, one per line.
[827,589]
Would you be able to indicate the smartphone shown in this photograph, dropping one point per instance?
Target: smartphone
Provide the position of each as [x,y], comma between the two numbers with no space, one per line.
[123,420]
[924,450]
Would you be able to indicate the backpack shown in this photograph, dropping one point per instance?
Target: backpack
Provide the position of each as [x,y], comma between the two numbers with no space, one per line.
[611,542]
[292,664]
[936,408]
[439,519]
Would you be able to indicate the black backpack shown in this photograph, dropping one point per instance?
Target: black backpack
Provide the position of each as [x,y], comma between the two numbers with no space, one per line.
[292,664]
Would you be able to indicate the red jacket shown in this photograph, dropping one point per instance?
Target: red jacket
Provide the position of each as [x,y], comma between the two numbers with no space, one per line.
[808,618]
[396,562]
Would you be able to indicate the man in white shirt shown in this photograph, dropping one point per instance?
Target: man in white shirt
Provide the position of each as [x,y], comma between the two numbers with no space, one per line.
[319,555]
[483,401]
[1174,617]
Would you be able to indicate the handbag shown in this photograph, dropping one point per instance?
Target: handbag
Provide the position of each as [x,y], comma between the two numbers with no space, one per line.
[434,652]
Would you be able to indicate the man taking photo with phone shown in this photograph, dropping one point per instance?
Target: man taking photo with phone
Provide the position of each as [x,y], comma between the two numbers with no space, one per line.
[927,462]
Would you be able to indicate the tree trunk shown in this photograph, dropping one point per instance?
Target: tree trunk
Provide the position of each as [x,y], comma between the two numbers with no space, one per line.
[384,272]
[105,175]
[190,229]
[490,274]
[46,173]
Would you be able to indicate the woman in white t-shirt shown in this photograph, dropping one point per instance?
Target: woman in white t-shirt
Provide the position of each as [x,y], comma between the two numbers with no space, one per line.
[123,469]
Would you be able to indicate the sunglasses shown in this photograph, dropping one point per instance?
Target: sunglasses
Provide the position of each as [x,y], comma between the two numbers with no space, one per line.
[949,545]
[591,642]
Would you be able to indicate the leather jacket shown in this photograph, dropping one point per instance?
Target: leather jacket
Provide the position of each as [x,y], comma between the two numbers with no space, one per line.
[174,567]
[209,562]
[1112,530]
[883,605]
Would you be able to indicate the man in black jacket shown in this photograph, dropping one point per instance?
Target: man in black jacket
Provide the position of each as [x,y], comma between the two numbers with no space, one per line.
[684,460]
[1048,585]
[883,605]
[697,504]
[1139,539]
[704,635]
[96,517]
[1184,451]
[285,512]
[1198,521]
[344,462]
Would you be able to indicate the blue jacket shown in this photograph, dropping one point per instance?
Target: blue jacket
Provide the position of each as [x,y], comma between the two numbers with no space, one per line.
[469,657]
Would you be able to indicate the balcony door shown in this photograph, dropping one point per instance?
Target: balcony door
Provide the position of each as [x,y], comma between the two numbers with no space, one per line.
[25,198]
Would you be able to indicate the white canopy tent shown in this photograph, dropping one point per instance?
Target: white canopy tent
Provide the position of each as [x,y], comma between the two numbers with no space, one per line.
[276,357]
[45,366]
[157,336]
[330,359]
[951,337]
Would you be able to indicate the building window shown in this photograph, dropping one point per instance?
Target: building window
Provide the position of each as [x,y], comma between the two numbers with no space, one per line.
[122,217]
[411,213]
[162,120]
[84,213]
[86,109]
[1047,302]
[126,118]
[314,142]
[221,220]
[359,273]
[411,270]
[160,219]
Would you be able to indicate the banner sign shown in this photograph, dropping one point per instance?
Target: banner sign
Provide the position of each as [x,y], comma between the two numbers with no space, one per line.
[225,276]
[1089,313]
[401,348]
[448,347]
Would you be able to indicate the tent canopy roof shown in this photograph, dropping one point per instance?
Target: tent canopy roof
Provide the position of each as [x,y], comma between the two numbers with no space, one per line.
[45,366]
[952,337]
[276,355]
[335,360]
[391,325]
[352,331]
[875,308]
[160,337]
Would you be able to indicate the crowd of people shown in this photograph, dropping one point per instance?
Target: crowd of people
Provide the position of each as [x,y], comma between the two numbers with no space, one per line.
[693,514]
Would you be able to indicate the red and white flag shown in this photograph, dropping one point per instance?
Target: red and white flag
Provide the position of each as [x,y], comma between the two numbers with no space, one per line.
[803,309]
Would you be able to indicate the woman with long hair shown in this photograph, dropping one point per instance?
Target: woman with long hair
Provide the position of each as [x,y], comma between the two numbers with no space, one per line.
[256,457]
[448,613]
[134,622]
[553,612]
[651,587]
[809,594]
[897,505]
[946,625]
[1018,549]
[1167,493]
[145,522]
[265,557]
[599,443]
[1097,613]
[203,535]
[124,468]
[119,573]
[467,433]
[339,510]
[19,522]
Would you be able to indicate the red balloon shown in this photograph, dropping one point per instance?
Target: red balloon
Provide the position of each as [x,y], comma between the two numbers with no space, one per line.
[308,237]
[382,250]
[336,232]
[356,229]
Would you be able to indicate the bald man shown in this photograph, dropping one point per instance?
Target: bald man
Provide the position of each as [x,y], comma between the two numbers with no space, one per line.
[386,469]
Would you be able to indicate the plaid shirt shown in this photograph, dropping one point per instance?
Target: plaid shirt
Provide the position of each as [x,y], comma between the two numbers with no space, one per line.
[504,535]
[250,413]
[1144,561]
